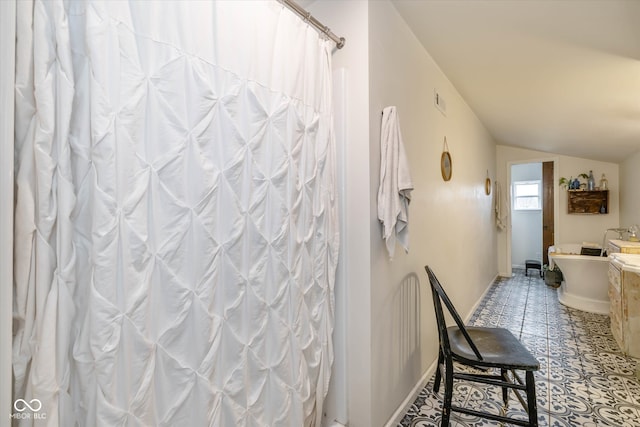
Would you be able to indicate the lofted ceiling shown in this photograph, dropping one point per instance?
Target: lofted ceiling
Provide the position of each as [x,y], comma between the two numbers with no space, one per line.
[559,76]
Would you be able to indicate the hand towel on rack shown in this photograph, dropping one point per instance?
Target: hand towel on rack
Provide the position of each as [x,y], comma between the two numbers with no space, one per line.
[394,192]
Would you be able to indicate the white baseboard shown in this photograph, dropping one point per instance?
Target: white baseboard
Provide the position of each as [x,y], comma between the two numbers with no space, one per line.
[411,397]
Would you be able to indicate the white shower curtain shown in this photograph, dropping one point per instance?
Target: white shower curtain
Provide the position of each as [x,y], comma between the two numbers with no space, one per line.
[176,224]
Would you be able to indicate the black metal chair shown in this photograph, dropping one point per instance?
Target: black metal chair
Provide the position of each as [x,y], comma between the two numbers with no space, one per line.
[485,349]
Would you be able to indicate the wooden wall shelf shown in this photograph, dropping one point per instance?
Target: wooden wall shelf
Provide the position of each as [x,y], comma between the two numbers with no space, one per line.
[588,202]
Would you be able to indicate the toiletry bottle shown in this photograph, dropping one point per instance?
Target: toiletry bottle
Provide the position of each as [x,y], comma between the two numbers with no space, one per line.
[591,182]
[604,183]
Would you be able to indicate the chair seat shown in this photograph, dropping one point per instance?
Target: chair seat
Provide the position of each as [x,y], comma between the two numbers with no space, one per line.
[498,347]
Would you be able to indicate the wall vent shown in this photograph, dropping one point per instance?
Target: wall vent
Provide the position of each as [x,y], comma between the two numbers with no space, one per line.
[439,102]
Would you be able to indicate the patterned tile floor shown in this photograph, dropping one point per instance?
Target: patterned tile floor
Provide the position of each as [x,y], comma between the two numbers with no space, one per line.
[584,379]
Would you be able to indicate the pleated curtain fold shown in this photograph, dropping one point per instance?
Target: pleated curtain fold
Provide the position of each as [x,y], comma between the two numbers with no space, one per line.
[176,234]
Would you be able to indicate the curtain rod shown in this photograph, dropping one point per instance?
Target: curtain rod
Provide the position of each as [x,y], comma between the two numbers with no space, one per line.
[313,21]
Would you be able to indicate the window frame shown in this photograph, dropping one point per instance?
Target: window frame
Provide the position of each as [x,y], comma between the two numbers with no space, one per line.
[515,197]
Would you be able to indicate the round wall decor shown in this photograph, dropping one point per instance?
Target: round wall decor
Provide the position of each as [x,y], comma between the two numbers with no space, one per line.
[446,164]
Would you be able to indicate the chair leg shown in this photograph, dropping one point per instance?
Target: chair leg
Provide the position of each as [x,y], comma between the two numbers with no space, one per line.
[531,399]
[436,382]
[505,390]
[448,393]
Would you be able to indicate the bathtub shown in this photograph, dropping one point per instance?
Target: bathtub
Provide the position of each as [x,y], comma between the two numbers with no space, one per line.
[586,283]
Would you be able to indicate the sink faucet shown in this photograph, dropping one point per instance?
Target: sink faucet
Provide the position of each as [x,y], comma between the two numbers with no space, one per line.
[620,236]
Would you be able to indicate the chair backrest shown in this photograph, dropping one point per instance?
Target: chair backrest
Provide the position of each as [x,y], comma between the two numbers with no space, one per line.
[439,297]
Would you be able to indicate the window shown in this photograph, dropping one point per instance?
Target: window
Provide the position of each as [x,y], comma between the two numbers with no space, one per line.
[526,195]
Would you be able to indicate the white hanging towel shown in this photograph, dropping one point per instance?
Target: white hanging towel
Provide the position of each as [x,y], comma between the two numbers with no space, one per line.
[394,193]
[502,207]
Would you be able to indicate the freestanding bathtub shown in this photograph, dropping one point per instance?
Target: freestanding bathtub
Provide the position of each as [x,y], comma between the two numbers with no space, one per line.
[586,283]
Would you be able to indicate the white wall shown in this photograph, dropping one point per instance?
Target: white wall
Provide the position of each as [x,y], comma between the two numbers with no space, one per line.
[630,191]
[568,228]
[451,223]
[526,237]
[350,20]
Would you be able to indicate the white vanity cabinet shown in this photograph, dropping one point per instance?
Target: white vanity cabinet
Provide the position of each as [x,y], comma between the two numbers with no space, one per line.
[624,295]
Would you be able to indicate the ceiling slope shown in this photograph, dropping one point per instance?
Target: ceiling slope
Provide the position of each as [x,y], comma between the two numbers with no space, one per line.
[559,76]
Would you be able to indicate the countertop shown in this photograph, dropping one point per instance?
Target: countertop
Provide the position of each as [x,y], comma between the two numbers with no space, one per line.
[627,262]
[625,243]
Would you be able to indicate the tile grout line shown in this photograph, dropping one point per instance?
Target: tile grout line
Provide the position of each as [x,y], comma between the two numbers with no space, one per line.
[548,387]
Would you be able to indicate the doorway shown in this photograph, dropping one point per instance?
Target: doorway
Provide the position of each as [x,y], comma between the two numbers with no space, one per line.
[532,213]
[526,213]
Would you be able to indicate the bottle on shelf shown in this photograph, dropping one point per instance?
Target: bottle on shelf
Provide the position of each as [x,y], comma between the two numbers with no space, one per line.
[591,182]
[575,184]
[604,183]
